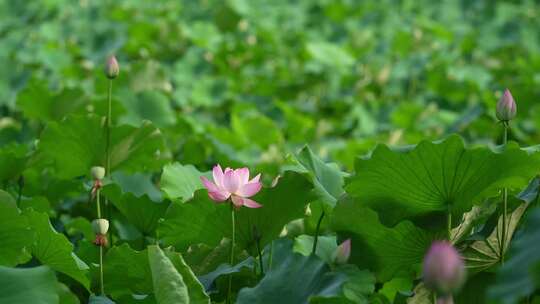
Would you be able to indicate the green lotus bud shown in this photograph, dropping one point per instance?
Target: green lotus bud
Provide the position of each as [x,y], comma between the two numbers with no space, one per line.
[100,226]
[98,172]
[112,69]
[506,107]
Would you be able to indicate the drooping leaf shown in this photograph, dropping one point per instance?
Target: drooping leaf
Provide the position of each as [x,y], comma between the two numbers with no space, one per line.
[386,251]
[54,250]
[180,181]
[225,269]
[433,178]
[15,234]
[28,285]
[138,184]
[77,143]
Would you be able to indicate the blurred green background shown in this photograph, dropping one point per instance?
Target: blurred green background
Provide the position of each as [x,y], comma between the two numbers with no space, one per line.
[248,81]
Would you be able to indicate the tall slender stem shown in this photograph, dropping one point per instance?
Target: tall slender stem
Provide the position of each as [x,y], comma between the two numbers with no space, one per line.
[260,256]
[98,206]
[232,253]
[505,201]
[449,222]
[108,125]
[314,249]
[108,132]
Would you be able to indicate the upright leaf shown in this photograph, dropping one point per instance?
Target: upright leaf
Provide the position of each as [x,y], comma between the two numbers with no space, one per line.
[169,286]
[180,181]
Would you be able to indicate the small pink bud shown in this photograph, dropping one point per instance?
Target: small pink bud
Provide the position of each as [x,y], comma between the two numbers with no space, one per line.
[342,253]
[444,270]
[506,107]
[112,69]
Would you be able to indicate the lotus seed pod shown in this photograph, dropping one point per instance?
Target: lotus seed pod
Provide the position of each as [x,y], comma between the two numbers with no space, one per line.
[444,270]
[101,240]
[506,107]
[98,173]
[112,69]
[342,253]
[100,226]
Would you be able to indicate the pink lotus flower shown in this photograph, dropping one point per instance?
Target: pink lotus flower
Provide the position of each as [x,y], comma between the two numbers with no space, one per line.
[234,184]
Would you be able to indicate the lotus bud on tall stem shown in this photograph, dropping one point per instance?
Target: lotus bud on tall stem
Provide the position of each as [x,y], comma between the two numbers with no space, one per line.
[100,225]
[506,111]
[112,70]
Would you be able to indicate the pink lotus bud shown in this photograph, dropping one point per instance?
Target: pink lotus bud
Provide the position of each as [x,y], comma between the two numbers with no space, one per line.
[111,68]
[444,270]
[506,107]
[342,253]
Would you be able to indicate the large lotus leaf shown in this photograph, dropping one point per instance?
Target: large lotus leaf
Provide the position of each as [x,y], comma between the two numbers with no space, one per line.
[54,249]
[327,178]
[129,272]
[28,285]
[433,178]
[386,251]
[201,220]
[170,285]
[314,281]
[180,181]
[15,233]
[77,143]
[519,276]
[141,211]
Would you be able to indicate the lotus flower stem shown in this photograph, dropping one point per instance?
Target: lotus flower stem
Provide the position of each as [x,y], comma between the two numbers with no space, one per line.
[314,249]
[449,221]
[232,252]
[505,198]
[260,256]
[101,284]
[108,131]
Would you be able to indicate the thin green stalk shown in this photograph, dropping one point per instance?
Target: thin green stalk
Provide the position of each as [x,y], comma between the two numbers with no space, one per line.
[232,253]
[314,249]
[449,222]
[505,201]
[102,285]
[260,256]
[108,125]
[108,132]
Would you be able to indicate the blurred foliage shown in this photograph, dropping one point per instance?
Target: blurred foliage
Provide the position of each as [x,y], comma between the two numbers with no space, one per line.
[340,75]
